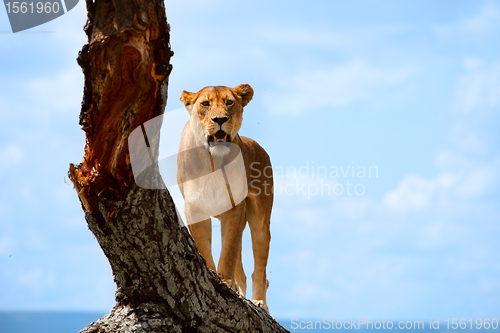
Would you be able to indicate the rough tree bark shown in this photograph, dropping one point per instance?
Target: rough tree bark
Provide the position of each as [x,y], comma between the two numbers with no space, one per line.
[162,282]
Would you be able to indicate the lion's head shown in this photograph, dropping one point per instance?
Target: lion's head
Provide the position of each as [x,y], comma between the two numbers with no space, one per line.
[216,115]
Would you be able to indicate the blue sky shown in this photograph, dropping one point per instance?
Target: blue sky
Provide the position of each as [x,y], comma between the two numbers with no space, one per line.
[409,88]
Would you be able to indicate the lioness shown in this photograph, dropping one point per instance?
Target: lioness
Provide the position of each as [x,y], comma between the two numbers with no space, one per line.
[211,147]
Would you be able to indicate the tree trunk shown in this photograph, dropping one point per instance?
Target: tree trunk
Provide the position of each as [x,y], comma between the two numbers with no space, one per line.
[163,284]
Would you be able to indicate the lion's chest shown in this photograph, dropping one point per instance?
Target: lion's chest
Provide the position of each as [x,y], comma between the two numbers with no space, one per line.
[218,191]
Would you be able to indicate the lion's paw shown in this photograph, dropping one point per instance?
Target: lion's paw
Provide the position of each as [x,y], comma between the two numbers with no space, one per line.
[231,284]
[261,304]
[239,290]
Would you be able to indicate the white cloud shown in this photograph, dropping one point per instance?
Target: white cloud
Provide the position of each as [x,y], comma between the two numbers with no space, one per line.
[7,245]
[353,38]
[307,291]
[63,35]
[59,91]
[478,181]
[312,270]
[34,239]
[484,22]
[11,155]
[57,94]
[416,193]
[353,208]
[69,29]
[305,37]
[468,141]
[479,87]
[308,187]
[461,177]
[74,223]
[175,5]
[448,160]
[440,233]
[335,86]
[37,279]
[460,180]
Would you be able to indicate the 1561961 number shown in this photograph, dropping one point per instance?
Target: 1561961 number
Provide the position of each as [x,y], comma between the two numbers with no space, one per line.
[467,323]
[32,7]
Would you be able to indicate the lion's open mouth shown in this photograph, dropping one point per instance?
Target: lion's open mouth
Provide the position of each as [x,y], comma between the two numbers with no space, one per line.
[220,138]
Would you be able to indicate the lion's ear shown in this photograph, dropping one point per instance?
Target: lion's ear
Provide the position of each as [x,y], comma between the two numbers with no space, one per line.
[187,98]
[245,92]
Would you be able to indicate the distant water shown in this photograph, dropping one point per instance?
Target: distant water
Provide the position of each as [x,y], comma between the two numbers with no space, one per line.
[46,322]
[72,322]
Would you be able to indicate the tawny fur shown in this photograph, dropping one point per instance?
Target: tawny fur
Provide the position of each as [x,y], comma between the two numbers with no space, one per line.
[203,200]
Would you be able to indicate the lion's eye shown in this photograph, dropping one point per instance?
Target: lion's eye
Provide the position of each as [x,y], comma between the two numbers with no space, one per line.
[205,103]
[229,102]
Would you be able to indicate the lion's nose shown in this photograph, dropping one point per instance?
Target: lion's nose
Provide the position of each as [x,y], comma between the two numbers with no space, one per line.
[220,120]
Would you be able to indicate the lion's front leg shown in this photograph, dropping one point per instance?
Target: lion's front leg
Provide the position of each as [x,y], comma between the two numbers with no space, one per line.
[259,215]
[232,226]
[201,233]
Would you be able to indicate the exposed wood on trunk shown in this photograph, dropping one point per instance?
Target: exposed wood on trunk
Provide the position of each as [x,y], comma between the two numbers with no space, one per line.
[163,284]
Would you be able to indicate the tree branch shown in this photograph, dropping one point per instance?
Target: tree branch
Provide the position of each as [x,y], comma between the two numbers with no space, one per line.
[162,282]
